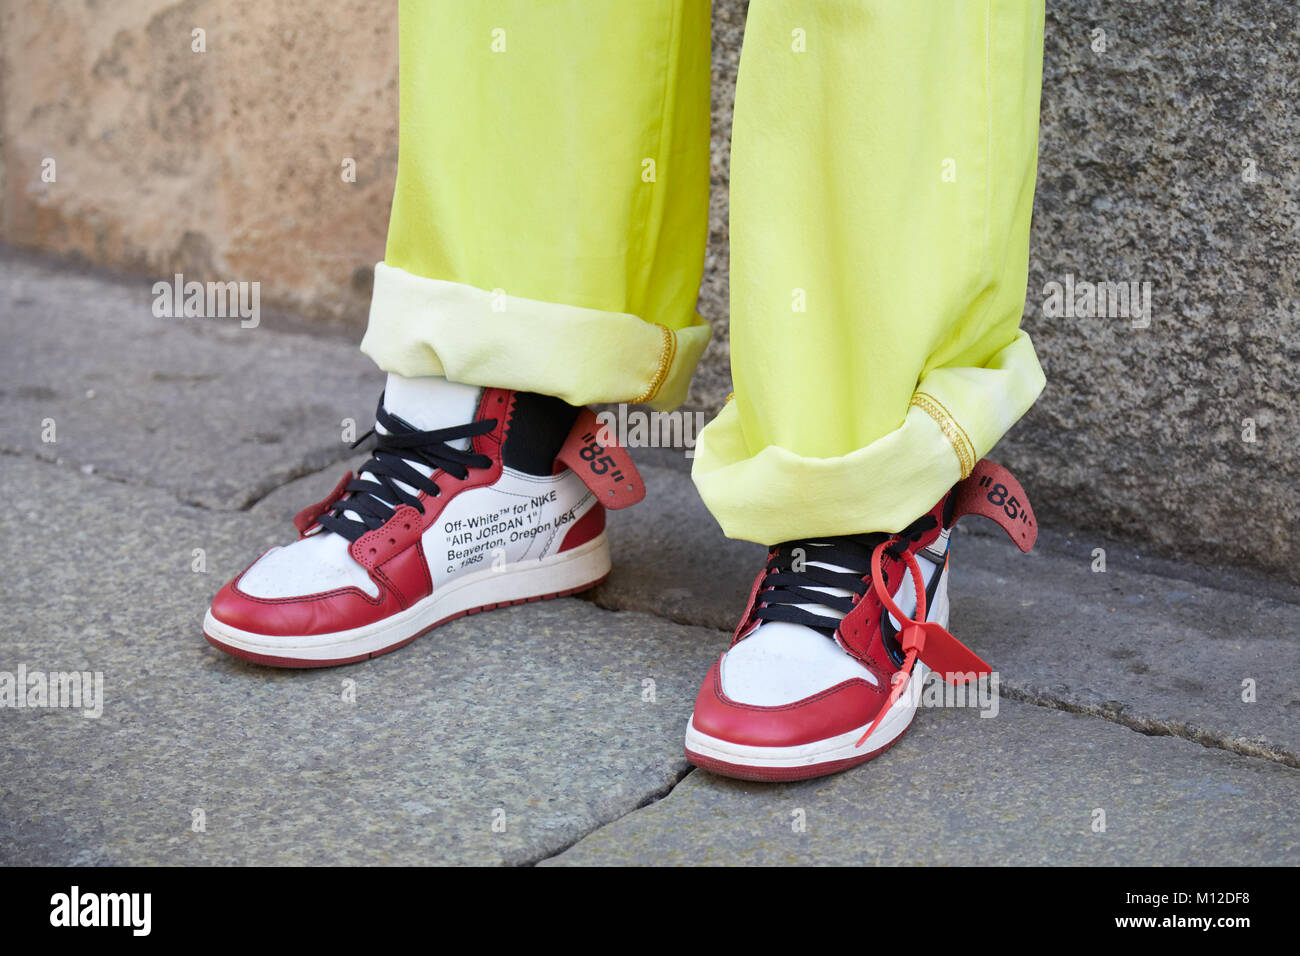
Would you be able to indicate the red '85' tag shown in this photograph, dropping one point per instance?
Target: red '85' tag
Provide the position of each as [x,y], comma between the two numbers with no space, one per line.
[606,469]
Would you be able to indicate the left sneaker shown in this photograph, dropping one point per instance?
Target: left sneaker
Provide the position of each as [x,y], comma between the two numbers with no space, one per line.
[504,507]
[835,631]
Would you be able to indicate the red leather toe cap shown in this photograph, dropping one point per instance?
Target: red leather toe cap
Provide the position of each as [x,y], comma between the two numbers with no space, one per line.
[836,710]
[324,613]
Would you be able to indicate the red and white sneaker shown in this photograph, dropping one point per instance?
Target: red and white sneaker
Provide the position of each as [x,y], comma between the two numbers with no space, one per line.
[835,631]
[506,508]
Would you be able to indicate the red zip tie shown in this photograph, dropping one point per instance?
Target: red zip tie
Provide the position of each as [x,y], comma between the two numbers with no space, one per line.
[927,640]
[913,631]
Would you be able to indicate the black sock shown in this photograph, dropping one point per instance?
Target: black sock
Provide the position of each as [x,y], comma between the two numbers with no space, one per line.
[538,428]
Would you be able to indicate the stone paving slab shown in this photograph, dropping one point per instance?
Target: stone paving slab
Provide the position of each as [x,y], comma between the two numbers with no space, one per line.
[215,413]
[536,711]
[1160,654]
[1022,788]
[281,505]
[671,559]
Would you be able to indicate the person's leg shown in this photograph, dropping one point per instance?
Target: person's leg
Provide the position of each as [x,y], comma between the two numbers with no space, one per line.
[881,189]
[550,215]
[545,251]
[882,180]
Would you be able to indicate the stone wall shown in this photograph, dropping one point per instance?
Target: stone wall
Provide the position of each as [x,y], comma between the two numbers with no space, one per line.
[1168,156]
[1173,157]
[223,163]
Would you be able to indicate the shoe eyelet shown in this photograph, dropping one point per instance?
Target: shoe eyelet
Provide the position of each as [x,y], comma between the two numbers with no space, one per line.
[373,551]
[406,527]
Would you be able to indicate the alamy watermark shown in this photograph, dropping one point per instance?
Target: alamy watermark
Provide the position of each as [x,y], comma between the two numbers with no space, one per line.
[958,690]
[634,428]
[179,299]
[79,690]
[132,911]
[1080,299]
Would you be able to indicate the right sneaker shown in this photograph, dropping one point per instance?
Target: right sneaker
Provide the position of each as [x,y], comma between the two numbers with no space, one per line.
[505,508]
[837,632]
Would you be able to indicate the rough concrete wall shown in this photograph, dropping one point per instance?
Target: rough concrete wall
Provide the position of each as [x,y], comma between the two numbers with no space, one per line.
[228,162]
[712,382]
[224,163]
[1172,158]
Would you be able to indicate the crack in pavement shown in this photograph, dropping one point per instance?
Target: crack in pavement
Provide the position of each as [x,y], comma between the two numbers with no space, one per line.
[651,798]
[1153,727]
[261,489]
[271,486]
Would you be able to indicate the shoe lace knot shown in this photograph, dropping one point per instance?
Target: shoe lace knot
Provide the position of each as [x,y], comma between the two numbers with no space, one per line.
[395,477]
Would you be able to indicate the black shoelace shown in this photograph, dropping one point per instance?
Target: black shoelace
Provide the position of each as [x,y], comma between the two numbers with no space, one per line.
[373,502]
[785,589]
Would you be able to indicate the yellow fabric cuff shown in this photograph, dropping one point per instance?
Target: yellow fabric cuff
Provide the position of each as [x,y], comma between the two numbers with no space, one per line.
[955,418]
[421,326]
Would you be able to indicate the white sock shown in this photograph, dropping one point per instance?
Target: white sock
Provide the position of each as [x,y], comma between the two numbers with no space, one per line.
[431,402]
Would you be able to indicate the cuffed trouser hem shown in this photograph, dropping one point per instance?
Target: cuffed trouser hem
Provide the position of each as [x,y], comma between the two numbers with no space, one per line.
[955,417]
[420,326]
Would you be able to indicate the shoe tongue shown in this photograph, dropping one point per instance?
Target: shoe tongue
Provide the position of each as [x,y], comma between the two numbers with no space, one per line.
[833,616]
[426,404]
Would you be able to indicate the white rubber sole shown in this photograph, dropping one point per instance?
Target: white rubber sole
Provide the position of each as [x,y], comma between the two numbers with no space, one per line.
[515,583]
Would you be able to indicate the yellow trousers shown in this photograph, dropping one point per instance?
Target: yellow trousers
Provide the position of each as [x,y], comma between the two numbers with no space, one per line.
[551,211]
